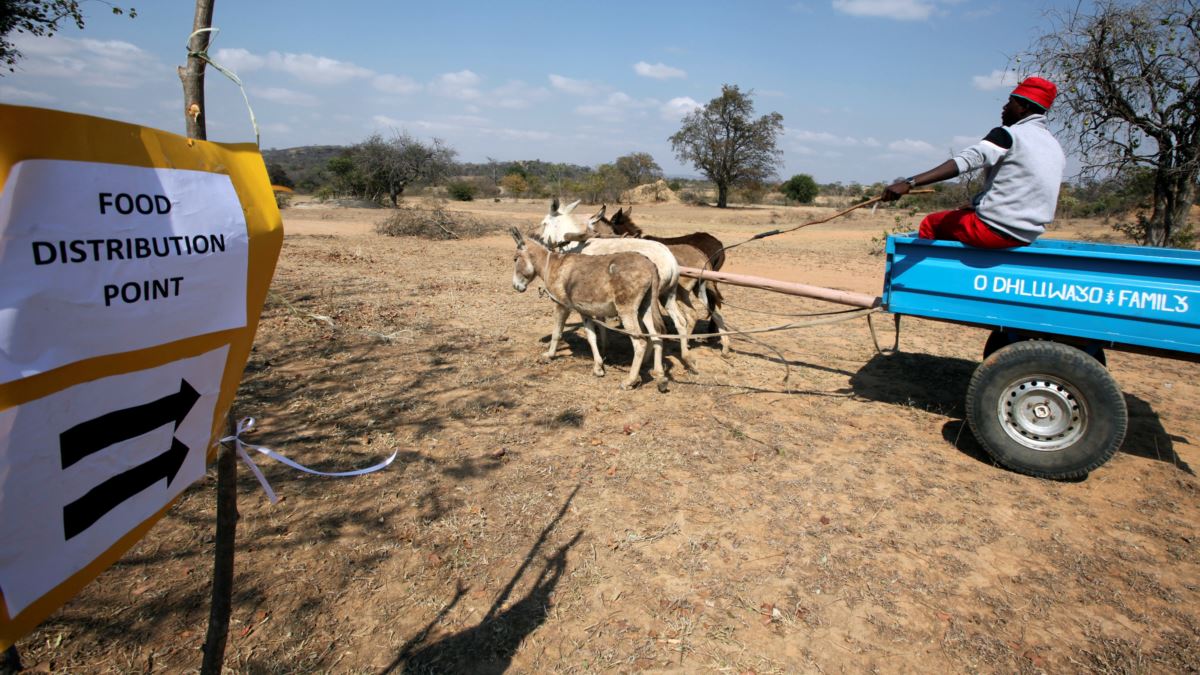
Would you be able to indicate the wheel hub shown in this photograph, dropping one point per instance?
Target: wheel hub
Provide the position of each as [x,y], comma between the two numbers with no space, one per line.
[1042,413]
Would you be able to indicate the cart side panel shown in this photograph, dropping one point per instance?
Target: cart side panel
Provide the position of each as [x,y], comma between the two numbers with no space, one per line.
[1144,296]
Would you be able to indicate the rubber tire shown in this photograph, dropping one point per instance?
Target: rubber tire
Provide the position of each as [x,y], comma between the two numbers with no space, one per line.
[1102,400]
[999,339]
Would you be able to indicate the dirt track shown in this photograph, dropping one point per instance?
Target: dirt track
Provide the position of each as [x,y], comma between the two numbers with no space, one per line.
[806,506]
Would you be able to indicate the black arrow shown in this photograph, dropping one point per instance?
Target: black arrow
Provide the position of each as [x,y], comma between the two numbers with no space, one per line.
[98,433]
[82,513]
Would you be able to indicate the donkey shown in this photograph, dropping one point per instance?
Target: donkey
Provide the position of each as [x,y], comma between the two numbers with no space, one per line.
[623,285]
[699,249]
[560,229]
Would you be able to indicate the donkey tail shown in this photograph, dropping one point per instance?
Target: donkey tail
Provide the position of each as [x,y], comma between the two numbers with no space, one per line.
[715,299]
[656,310]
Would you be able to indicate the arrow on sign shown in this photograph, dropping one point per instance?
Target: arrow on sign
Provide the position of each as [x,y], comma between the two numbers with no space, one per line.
[96,434]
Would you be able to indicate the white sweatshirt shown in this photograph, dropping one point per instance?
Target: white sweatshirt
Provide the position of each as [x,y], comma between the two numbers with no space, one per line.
[1025,167]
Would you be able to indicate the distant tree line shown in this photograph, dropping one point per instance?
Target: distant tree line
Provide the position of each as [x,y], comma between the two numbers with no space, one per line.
[382,169]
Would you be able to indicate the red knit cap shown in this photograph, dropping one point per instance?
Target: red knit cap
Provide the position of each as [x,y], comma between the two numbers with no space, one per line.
[1037,90]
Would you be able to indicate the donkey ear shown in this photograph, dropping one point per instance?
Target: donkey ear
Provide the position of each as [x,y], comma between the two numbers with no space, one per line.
[516,235]
[618,215]
[554,206]
[571,207]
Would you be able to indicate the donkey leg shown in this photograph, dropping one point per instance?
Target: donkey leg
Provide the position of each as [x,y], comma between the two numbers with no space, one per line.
[589,329]
[681,326]
[560,319]
[720,322]
[691,315]
[656,343]
[629,320]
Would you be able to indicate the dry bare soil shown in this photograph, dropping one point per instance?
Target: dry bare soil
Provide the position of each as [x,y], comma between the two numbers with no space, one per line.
[808,505]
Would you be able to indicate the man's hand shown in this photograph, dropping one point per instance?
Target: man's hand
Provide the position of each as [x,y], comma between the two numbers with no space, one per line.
[895,191]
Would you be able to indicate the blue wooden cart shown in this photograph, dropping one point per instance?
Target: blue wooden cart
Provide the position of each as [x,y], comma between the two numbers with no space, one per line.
[1042,401]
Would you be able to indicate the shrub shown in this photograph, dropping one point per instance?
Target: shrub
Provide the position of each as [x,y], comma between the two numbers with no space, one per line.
[461,190]
[434,222]
[800,188]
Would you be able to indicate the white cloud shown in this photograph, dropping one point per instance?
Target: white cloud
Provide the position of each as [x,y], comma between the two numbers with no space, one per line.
[516,95]
[395,84]
[239,60]
[826,138]
[578,87]
[98,63]
[523,135]
[8,93]
[316,69]
[389,122]
[658,71]
[997,79]
[909,146]
[675,109]
[461,85]
[605,112]
[287,96]
[901,10]
[304,67]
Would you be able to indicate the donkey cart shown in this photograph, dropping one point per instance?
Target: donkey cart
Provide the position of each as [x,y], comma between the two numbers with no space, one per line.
[1042,402]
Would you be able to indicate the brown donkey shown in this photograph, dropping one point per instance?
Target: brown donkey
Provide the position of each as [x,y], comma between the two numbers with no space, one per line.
[698,249]
[622,285]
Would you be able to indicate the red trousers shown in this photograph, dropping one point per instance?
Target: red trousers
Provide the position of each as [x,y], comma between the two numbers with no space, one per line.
[963,225]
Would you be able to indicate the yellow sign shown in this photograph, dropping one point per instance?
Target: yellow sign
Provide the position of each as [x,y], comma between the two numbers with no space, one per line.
[133,268]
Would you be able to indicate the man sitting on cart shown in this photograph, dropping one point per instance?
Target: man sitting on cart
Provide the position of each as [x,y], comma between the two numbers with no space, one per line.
[1024,172]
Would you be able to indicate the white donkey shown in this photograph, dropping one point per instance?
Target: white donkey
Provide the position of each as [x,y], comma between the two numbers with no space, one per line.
[560,229]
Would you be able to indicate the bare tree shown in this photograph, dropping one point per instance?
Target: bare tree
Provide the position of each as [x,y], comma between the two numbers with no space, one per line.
[390,166]
[725,143]
[1129,96]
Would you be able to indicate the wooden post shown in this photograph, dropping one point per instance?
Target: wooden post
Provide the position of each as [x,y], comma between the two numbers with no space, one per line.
[195,117]
[192,75]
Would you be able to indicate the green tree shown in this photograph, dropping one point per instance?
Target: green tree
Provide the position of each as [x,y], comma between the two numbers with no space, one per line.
[638,168]
[800,188]
[390,166]
[725,143]
[38,18]
[279,176]
[1129,96]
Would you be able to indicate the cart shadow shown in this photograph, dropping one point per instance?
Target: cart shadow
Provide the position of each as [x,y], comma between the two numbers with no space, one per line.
[939,384]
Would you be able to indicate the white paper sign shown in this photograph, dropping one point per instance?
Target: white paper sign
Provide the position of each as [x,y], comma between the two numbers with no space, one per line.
[87,464]
[106,258]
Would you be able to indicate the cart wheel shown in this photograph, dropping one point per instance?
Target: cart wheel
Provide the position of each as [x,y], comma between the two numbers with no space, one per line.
[1046,409]
[1002,338]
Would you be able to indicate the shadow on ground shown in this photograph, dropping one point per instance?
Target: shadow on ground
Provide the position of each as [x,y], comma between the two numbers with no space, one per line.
[489,646]
[939,384]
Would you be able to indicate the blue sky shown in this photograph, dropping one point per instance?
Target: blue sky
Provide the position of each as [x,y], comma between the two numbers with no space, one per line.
[869,89]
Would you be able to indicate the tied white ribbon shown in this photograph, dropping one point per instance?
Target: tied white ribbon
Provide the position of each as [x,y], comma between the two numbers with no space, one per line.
[247,424]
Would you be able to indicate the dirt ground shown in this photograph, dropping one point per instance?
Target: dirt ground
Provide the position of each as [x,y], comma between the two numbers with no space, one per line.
[807,505]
